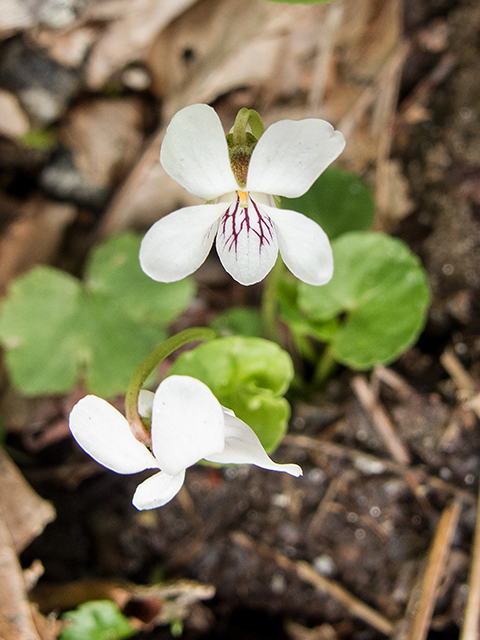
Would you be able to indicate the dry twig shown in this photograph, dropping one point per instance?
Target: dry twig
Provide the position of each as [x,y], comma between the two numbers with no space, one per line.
[380,420]
[471,622]
[434,571]
[386,430]
[377,465]
[337,485]
[308,574]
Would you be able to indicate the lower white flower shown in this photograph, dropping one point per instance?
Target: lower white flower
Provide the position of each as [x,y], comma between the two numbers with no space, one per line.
[188,425]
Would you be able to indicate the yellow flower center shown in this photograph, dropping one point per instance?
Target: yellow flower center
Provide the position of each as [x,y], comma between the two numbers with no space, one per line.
[243,195]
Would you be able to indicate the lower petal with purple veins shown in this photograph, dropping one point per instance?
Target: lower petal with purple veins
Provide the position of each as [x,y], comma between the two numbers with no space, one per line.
[246,242]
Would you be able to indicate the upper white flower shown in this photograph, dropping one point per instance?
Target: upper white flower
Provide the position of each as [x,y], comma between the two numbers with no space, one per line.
[188,425]
[250,229]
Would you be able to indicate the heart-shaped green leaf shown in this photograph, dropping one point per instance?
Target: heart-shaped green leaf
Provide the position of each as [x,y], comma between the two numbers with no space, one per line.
[381,287]
[338,201]
[114,270]
[247,375]
[57,330]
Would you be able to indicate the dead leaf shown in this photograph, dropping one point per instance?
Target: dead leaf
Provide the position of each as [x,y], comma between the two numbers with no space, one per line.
[23,516]
[32,237]
[23,511]
[105,136]
[129,38]
[13,121]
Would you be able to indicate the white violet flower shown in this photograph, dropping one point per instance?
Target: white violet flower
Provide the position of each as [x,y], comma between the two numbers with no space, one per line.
[250,229]
[188,425]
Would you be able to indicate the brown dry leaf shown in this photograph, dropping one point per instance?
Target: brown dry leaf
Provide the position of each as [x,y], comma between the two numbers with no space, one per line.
[23,516]
[24,512]
[69,48]
[32,237]
[130,37]
[196,58]
[152,605]
[14,16]
[298,632]
[220,46]
[105,136]
[16,619]
[13,121]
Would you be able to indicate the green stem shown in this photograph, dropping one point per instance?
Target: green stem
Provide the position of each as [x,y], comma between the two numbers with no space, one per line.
[244,118]
[270,301]
[145,369]
[325,365]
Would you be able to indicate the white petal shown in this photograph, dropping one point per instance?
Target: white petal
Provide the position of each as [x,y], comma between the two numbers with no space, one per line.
[246,242]
[179,243]
[145,403]
[304,246]
[194,152]
[104,434]
[291,155]
[243,447]
[187,423]
[157,490]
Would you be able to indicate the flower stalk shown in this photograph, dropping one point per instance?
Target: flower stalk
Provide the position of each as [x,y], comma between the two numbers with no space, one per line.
[270,301]
[244,118]
[152,361]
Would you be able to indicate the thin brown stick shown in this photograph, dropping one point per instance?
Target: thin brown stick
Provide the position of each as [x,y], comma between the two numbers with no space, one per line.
[380,420]
[383,124]
[394,381]
[471,622]
[434,571]
[307,573]
[323,508]
[458,373]
[380,465]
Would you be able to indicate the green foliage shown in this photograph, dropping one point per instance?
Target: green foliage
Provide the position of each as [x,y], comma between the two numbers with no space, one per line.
[239,321]
[381,288]
[96,620]
[247,375]
[338,201]
[302,327]
[40,139]
[57,330]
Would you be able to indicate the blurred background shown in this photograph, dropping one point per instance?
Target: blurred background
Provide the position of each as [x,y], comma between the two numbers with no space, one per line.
[87,88]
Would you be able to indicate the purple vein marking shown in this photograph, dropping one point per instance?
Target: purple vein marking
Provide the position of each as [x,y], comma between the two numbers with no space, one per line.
[237,219]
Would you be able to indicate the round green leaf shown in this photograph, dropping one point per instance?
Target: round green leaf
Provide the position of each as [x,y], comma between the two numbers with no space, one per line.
[381,287]
[338,201]
[247,375]
[55,334]
[38,325]
[113,345]
[114,271]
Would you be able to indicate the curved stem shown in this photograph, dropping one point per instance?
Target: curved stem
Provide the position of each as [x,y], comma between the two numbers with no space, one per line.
[145,369]
[244,118]
[240,127]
